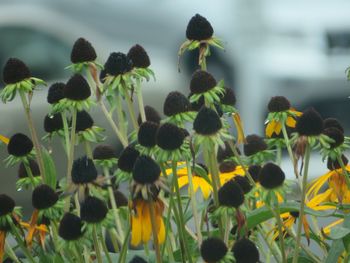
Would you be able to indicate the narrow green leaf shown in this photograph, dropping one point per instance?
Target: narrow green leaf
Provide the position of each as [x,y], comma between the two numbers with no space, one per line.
[50,169]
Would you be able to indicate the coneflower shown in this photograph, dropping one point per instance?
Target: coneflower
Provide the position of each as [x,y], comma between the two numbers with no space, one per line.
[19,145]
[278,104]
[7,204]
[146,135]
[310,123]
[77,88]
[332,122]
[271,176]
[231,194]
[118,63]
[207,122]
[44,197]
[335,134]
[245,251]
[84,121]
[82,51]
[201,82]
[70,227]
[199,28]
[55,93]
[170,137]
[127,159]
[93,210]
[14,71]
[227,166]
[53,123]
[176,103]
[139,57]
[83,171]
[244,183]
[213,250]
[145,170]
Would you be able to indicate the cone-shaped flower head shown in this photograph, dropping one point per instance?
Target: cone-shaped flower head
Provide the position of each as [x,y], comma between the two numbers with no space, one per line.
[55,92]
[334,164]
[53,122]
[137,259]
[332,122]
[207,122]
[77,88]
[227,166]
[231,194]
[229,98]
[199,28]
[33,166]
[43,197]
[70,227]
[271,176]
[244,183]
[151,115]
[170,137]
[254,145]
[104,152]
[139,57]
[83,171]
[15,71]
[146,170]
[93,210]
[213,249]
[127,159]
[245,251]
[254,171]
[82,51]
[335,134]
[147,134]
[310,123]
[84,121]
[7,204]
[19,145]
[201,81]
[278,103]
[176,103]
[118,63]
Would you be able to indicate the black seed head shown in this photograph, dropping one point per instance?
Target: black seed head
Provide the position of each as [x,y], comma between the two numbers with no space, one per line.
[104,152]
[53,123]
[271,176]
[245,251]
[83,171]
[139,57]
[147,134]
[278,103]
[146,170]
[82,51]
[336,135]
[231,194]
[334,164]
[118,63]
[229,98]
[55,93]
[93,210]
[199,28]
[254,171]
[43,197]
[7,204]
[19,145]
[294,214]
[151,115]
[207,122]
[84,121]
[310,123]
[227,166]
[176,103]
[332,122]
[70,227]
[170,137]
[33,166]
[15,71]
[254,145]
[127,159]
[137,259]
[120,198]
[243,183]
[77,88]
[201,82]
[213,249]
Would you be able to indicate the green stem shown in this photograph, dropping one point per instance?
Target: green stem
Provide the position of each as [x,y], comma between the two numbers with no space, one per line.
[289,149]
[33,134]
[279,155]
[302,203]
[29,173]
[66,132]
[140,100]
[88,149]
[276,213]
[154,231]
[96,244]
[11,253]
[121,116]
[346,174]
[104,247]
[131,109]
[270,244]
[122,257]
[20,243]
[78,254]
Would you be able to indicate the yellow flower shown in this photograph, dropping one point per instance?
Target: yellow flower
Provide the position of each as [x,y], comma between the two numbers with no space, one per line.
[141,227]
[274,126]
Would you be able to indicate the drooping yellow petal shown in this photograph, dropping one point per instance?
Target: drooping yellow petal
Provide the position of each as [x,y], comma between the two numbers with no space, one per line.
[270,128]
[206,189]
[327,229]
[316,184]
[297,113]
[136,224]
[146,223]
[318,199]
[32,226]
[196,182]
[161,232]
[2,244]
[306,229]
[4,139]
[182,181]
[291,122]
[239,127]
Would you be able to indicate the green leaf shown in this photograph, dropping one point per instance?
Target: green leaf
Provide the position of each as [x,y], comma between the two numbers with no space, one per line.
[50,169]
[338,232]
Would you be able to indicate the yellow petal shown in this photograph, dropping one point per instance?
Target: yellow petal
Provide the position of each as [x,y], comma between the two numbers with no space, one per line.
[161,232]
[239,170]
[238,123]
[290,122]
[182,181]
[206,189]
[270,128]
[2,244]
[146,223]
[327,229]
[278,128]
[196,182]
[136,225]
[316,184]
[4,139]
[319,199]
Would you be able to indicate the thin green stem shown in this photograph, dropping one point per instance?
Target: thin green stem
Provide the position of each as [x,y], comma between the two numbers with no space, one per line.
[140,100]
[21,243]
[78,254]
[29,173]
[96,244]
[88,149]
[131,109]
[104,247]
[122,257]
[302,203]
[11,253]
[270,244]
[346,174]
[289,149]
[154,231]
[279,155]
[33,134]
[66,132]
[277,215]
[121,116]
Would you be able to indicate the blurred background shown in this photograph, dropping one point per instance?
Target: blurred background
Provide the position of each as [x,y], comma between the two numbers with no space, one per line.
[298,49]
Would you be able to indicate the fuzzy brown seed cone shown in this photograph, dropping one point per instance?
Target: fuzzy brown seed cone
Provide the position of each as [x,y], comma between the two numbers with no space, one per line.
[15,71]
[201,82]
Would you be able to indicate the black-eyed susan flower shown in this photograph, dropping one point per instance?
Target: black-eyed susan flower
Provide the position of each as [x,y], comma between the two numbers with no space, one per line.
[256,149]
[231,194]
[70,227]
[151,115]
[271,176]
[93,210]
[146,137]
[55,93]
[19,148]
[280,113]
[86,129]
[254,171]
[53,125]
[45,200]
[178,108]
[137,259]
[105,155]
[126,163]
[199,34]
[245,251]
[17,78]
[214,250]
[333,122]
[141,62]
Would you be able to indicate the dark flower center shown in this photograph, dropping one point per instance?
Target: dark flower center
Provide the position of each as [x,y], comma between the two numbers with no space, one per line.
[44,197]
[82,51]
[83,171]
[19,145]
[139,57]
[146,170]
[271,176]
[93,210]
[213,249]
[70,227]
[310,123]
[15,71]
[207,122]
[77,88]
[199,28]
